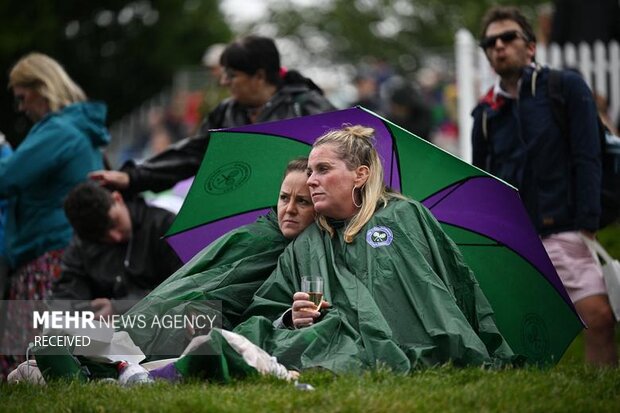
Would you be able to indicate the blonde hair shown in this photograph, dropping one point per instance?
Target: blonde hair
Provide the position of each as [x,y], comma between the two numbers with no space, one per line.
[354,145]
[48,78]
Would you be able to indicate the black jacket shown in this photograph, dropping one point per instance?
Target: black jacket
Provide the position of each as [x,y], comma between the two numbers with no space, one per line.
[125,271]
[298,96]
[558,177]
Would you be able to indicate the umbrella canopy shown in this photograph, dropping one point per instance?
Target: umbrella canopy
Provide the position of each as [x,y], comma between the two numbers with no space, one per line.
[240,177]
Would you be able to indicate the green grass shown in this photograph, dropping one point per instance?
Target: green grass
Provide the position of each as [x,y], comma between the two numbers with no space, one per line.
[446,389]
[568,387]
[610,238]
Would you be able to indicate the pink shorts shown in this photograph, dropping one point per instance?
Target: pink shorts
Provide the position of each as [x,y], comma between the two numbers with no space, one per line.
[580,273]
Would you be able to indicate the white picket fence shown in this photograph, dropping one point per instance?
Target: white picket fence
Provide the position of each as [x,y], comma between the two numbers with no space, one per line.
[599,65]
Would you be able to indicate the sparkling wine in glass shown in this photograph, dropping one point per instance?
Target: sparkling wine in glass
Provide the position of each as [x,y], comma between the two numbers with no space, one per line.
[313,286]
[316,298]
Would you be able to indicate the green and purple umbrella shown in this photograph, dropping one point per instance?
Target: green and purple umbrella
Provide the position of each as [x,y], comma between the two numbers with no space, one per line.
[240,177]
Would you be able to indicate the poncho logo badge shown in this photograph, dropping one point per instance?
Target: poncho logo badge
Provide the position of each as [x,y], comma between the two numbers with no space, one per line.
[227,178]
[379,237]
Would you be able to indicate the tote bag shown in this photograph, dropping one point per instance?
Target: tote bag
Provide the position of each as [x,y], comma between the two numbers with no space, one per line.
[611,274]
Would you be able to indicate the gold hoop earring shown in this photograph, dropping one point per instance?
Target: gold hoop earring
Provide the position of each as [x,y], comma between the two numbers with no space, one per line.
[353,198]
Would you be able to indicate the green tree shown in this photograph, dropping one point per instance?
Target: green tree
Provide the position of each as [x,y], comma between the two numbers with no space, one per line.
[120,52]
[398,31]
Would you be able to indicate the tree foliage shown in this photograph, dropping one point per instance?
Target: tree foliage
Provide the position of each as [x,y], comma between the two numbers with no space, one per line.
[398,31]
[120,52]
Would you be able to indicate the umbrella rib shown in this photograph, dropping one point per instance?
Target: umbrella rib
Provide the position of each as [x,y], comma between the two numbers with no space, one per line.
[466,244]
[454,186]
[394,154]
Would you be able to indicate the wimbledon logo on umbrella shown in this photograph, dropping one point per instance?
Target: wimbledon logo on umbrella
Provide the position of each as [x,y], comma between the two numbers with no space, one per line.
[227,178]
[535,335]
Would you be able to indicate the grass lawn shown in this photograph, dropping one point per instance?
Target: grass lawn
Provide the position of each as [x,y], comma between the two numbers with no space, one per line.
[568,387]
[610,238]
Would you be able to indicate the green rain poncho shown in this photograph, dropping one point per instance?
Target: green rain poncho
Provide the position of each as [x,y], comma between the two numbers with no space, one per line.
[230,269]
[401,297]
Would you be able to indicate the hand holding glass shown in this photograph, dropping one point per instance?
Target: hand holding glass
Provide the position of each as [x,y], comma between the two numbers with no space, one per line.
[313,286]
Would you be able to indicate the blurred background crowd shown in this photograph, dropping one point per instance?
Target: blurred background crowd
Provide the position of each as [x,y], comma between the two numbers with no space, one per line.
[155,62]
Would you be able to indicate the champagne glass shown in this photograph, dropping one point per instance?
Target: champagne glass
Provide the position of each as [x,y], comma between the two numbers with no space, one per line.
[313,286]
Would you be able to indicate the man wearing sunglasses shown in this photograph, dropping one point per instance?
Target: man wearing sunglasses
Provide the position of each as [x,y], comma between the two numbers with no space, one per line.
[517,138]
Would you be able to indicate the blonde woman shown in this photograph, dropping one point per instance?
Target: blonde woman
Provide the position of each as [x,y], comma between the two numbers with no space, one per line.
[61,148]
[397,292]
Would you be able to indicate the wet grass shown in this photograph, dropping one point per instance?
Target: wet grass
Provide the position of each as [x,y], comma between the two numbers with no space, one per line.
[568,387]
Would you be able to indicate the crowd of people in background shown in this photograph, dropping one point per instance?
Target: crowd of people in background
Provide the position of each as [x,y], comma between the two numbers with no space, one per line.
[430,90]
[99,242]
[424,104]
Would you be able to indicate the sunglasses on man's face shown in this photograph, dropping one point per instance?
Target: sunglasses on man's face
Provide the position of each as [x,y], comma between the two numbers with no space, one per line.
[505,37]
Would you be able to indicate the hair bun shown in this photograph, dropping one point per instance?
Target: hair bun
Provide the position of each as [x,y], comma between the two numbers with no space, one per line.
[360,131]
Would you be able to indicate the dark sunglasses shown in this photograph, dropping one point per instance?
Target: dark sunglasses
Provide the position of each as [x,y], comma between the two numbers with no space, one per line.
[505,37]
